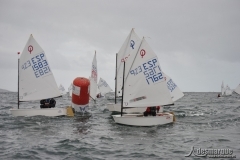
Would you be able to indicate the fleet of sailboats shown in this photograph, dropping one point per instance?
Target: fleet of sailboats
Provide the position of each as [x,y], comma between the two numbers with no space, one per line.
[139,81]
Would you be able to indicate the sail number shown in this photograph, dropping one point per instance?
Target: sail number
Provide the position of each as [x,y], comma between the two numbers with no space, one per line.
[150,69]
[40,65]
[26,65]
[94,73]
[171,85]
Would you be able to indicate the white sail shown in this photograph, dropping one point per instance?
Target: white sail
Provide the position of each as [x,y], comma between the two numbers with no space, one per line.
[103,86]
[36,80]
[237,90]
[128,46]
[70,90]
[93,78]
[144,83]
[62,90]
[175,92]
[228,91]
[222,89]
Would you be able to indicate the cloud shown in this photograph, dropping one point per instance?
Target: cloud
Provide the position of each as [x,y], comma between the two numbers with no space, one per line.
[189,37]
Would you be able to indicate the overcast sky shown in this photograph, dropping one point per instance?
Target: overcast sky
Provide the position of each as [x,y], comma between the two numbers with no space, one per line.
[197,42]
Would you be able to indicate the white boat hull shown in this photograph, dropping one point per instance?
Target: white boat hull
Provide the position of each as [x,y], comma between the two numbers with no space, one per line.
[117,108]
[140,120]
[49,112]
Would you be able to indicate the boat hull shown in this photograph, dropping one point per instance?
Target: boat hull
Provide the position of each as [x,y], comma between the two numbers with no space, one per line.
[117,108]
[49,112]
[140,120]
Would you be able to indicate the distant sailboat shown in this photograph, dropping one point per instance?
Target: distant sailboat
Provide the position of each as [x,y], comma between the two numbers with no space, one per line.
[62,90]
[70,90]
[103,87]
[237,90]
[93,79]
[226,91]
[36,81]
[222,89]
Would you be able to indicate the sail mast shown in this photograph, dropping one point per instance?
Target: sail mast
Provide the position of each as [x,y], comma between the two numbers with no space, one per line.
[18,79]
[123,87]
[96,78]
[116,80]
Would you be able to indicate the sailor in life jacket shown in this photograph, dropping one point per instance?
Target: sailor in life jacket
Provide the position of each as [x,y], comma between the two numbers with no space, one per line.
[151,110]
[158,108]
[47,103]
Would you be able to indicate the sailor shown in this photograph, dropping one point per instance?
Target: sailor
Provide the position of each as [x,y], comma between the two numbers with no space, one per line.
[47,103]
[158,108]
[99,95]
[150,111]
[153,110]
[147,112]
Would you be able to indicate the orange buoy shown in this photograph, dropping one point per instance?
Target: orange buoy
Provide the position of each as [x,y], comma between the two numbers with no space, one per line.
[80,94]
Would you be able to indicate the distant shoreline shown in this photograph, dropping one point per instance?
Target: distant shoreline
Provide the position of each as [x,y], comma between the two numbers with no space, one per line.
[4,90]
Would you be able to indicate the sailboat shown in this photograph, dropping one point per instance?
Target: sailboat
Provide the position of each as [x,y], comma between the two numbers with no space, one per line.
[70,90]
[144,85]
[36,81]
[226,91]
[62,90]
[222,89]
[93,79]
[103,87]
[237,90]
[130,44]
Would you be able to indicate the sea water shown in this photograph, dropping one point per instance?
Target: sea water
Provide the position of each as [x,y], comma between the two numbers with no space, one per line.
[202,121]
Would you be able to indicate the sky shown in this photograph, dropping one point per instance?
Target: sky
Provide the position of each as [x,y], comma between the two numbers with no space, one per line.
[197,42]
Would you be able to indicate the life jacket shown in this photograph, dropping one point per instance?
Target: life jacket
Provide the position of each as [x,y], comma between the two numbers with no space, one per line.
[148,109]
[47,100]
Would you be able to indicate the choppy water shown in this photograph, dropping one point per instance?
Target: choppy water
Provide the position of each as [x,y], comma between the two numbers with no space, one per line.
[203,121]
